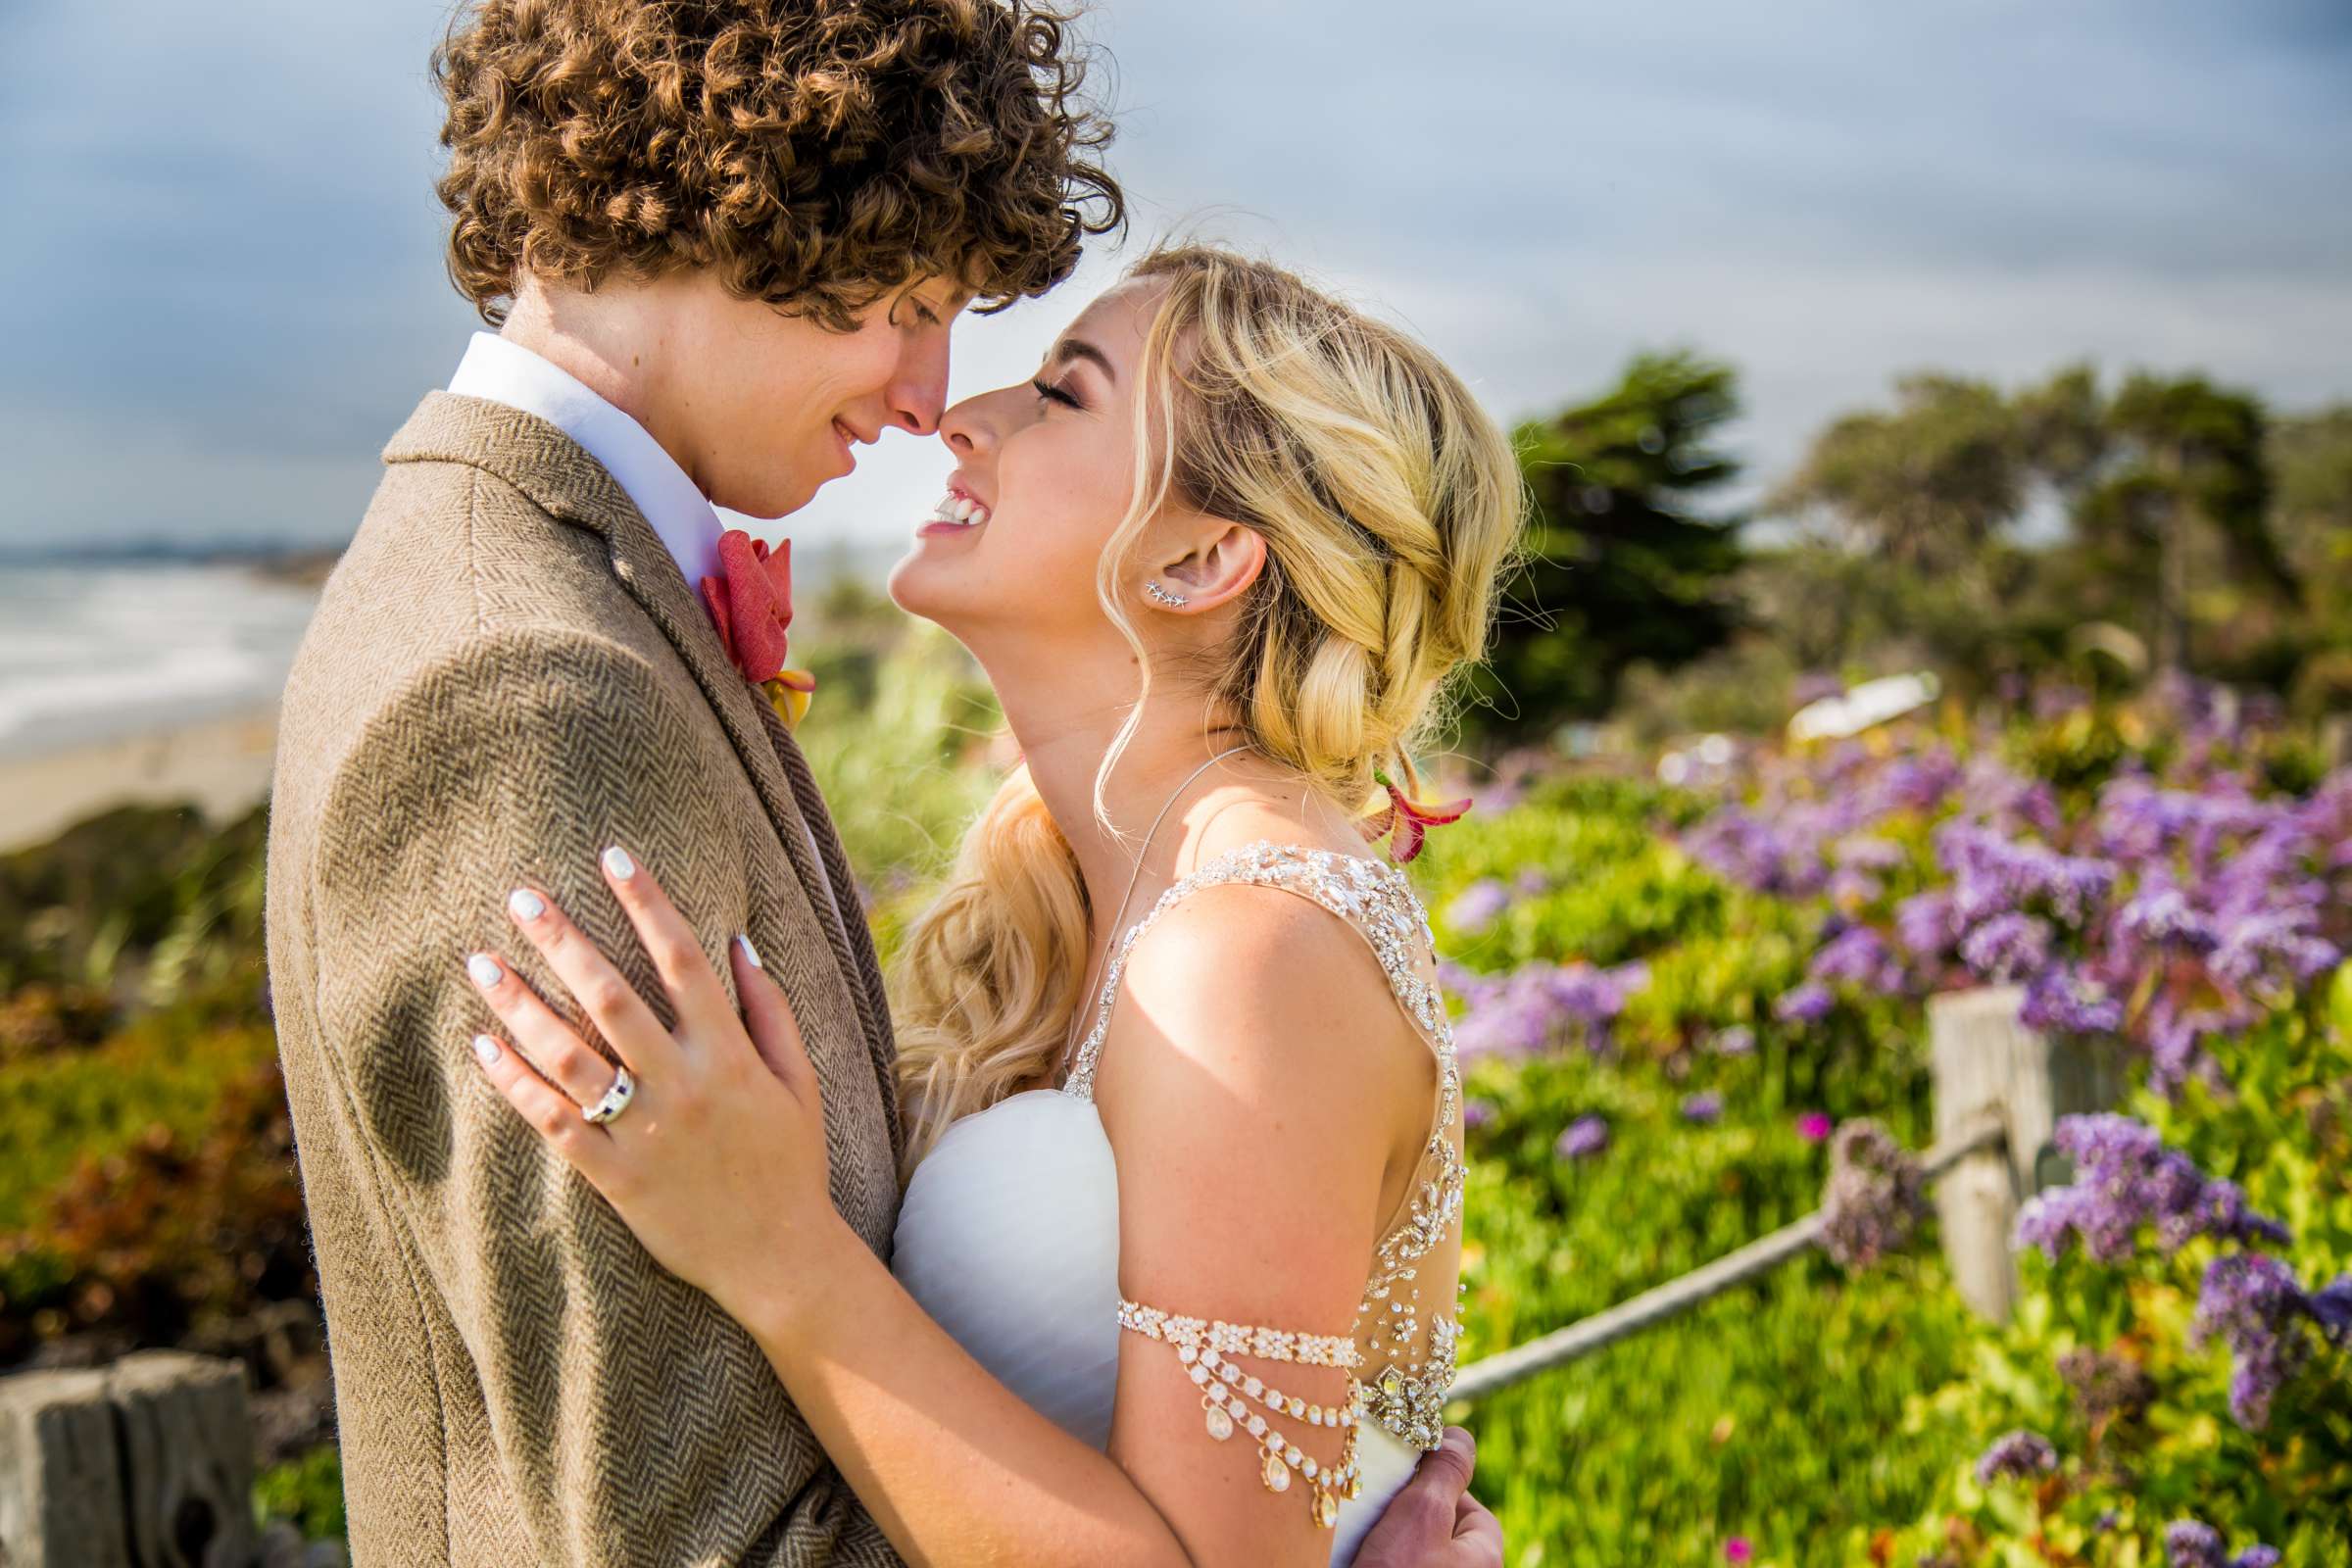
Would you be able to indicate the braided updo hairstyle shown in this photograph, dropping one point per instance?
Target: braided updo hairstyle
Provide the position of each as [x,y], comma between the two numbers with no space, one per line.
[1390,504]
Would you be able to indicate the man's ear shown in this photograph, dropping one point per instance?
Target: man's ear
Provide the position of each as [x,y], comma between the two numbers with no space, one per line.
[1225,558]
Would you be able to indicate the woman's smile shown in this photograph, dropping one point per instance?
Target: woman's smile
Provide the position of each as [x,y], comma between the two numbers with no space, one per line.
[958,511]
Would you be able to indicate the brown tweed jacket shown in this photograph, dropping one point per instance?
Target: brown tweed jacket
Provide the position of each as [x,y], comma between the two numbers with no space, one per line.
[505,674]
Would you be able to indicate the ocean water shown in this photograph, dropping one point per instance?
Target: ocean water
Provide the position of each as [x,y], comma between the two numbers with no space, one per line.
[97,651]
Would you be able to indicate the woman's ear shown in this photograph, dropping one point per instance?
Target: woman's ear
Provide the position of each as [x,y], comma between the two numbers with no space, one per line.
[1225,560]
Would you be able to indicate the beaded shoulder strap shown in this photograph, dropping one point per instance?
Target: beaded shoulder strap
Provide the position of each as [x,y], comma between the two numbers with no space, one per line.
[1369,895]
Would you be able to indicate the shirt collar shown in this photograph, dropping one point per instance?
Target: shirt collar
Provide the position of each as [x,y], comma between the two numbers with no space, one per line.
[680,515]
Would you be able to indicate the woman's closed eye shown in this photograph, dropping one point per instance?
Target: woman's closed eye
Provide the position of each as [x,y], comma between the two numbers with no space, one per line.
[1056,394]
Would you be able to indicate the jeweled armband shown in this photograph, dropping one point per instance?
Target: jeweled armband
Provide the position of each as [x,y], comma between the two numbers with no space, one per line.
[1228,1393]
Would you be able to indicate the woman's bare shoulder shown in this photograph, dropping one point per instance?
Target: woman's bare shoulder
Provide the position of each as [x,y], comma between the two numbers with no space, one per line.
[1273,999]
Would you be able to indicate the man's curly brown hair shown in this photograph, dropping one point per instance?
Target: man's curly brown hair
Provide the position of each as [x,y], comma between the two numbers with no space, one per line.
[816,154]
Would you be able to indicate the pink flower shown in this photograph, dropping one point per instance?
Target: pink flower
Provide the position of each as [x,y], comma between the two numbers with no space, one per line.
[1738,1549]
[1411,819]
[752,603]
[752,608]
[1814,1126]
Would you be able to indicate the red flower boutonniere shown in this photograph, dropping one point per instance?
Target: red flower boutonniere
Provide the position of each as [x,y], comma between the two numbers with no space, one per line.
[751,605]
[1412,819]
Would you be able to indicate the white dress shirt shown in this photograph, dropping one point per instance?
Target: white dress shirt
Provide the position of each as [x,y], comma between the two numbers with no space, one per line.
[681,516]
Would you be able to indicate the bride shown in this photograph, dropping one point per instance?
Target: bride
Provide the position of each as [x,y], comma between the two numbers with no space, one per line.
[1175,1275]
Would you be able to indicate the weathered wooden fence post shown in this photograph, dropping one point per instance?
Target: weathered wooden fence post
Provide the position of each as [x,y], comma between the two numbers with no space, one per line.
[1986,1062]
[61,1473]
[148,1462]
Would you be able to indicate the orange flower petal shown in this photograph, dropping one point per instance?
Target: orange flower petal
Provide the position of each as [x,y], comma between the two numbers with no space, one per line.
[790,697]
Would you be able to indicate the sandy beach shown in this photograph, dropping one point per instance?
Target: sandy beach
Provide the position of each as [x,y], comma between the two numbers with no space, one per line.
[222,765]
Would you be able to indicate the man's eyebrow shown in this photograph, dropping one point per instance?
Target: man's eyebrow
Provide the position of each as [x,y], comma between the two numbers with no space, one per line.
[1077,348]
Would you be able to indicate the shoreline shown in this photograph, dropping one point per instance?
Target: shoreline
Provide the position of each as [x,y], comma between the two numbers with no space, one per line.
[221,764]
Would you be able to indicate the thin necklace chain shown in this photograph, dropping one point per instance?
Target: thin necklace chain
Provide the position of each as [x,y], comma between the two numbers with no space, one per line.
[1112,927]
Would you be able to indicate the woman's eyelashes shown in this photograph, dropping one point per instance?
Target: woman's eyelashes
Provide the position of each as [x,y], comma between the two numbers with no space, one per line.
[1054,394]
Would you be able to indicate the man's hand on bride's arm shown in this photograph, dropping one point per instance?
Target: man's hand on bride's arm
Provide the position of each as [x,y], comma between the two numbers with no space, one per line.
[719,1161]
[1434,1522]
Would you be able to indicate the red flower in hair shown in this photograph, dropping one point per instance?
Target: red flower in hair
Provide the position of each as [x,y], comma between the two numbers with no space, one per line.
[752,606]
[1411,819]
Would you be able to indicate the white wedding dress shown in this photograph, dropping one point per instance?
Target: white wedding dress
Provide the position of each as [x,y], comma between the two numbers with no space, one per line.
[1009,1231]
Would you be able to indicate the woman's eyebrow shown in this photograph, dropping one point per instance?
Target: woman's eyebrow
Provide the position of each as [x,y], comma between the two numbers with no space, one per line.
[1076,348]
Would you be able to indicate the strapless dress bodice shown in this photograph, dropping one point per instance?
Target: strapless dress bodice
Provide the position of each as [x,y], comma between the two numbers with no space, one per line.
[1009,1238]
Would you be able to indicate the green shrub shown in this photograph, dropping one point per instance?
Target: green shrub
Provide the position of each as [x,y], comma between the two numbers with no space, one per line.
[900,779]
[307,1492]
[1774,1412]
[171,1228]
[164,1070]
[144,899]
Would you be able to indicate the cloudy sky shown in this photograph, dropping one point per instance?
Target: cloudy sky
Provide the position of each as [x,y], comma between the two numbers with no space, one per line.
[221,288]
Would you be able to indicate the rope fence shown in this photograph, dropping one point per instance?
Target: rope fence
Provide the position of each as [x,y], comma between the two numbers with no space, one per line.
[1984,1134]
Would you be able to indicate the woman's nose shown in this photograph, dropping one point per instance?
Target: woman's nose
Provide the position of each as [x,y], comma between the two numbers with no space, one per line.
[963,427]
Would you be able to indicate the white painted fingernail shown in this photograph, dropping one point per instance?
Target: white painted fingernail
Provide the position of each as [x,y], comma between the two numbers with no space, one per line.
[485,1049]
[750,952]
[618,864]
[524,904]
[486,970]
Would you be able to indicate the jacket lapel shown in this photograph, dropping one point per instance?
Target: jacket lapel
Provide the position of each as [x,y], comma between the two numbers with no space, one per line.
[761,741]
[556,474]
[865,974]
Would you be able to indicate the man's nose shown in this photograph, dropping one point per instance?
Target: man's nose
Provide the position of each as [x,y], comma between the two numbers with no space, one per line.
[919,393]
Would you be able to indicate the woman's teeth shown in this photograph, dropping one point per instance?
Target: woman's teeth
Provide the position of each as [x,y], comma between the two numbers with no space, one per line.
[959,509]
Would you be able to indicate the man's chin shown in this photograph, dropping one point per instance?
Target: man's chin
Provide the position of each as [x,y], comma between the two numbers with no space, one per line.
[770,503]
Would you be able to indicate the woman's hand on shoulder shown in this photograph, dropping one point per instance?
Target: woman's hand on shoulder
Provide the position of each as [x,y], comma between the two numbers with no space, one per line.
[718,1161]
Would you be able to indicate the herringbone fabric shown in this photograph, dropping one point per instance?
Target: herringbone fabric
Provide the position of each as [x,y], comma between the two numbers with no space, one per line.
[505,674]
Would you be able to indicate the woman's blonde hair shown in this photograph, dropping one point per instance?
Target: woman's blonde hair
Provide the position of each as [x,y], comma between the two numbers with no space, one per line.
[1390,504]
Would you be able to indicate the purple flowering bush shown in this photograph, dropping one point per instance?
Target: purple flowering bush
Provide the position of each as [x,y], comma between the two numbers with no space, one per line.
[2018,1454]
[2127,1182]
[1578,922]
[1667,996]
[2172,894]
[2184,1340]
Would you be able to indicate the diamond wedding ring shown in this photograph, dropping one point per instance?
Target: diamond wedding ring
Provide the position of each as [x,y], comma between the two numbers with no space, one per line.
[617,1099]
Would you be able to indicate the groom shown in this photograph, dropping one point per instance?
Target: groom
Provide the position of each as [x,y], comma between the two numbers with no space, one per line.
[725,239]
